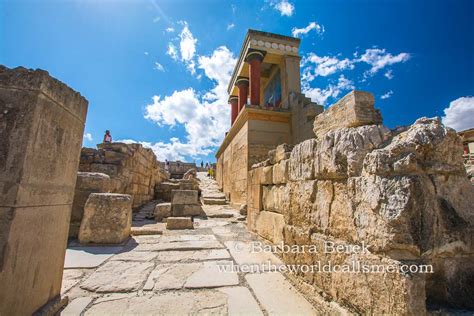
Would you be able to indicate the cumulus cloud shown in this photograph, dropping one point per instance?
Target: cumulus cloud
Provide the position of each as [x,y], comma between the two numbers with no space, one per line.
[379,58]
[389,74]
[169,29]
[187,47]
[205,116]
[284,7]
[320,96]
[88,136]
[159,66]
[172,51]
[230,26]
[311,26]
[386,95]
[460,114]
[324,66]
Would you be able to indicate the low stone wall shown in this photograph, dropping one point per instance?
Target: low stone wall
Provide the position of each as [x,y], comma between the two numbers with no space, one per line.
[405,196]
[132,168]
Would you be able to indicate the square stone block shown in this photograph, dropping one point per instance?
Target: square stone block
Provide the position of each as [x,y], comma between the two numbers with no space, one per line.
[179,223]
[184,197]
[162,210]
[186,210]
[107,218]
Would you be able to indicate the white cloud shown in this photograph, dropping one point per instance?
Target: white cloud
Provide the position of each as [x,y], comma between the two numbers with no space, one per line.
[311,26]
[230,26]
[157,19]
[172,51]
[460,114]
[389,74]
[146,53]
[169,29]
[205,116]
[88,136]
[284,7]
[159,66]
[187,46]
[379,59]
[386,95]
[324,66]
[320,96]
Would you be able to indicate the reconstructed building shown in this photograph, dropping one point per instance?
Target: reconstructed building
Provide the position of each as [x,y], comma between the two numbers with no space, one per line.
[267,108]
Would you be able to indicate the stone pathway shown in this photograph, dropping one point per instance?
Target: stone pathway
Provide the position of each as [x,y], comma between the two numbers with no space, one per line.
[180,272]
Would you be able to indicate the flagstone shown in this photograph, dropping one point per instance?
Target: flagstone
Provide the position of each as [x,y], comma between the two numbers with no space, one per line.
[118,276]
[88,257]
[277,296]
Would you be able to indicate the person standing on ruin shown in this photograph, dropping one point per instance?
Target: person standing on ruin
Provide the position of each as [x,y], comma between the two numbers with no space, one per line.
[107,137]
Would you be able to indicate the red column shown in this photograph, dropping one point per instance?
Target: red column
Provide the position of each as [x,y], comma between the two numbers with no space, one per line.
[243,85]
[233,100]
[255,58]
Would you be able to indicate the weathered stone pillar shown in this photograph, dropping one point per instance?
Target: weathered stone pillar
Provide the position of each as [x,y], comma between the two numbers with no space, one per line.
[243,84]
[233,100]
[41,129]
[254,59]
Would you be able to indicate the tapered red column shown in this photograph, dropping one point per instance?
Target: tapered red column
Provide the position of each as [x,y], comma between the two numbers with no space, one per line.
[243,84]
[254,59]
[234,103]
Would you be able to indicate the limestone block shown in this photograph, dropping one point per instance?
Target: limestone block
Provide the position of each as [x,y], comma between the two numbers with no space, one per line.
[41,132]
[86,183]
[111,170]
[270,225]
[276,198]
[267,175]
[282,152]
[162,210]
[186,210]
[179,223]
[280,172]
[302,159]
[107,218]
[355,109]
[114,157]
[184,197]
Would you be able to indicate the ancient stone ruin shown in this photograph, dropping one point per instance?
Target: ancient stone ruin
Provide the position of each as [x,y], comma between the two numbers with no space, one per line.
[319,188]
[404,195]
[41,128]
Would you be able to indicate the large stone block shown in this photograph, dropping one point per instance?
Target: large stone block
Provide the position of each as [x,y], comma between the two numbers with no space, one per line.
[270,225]
[267,175]
[41,129]
[354,109]
[162,210]
[184,197]
[186,210]
[280,172]
[179,223]
[276,198]
[107,219]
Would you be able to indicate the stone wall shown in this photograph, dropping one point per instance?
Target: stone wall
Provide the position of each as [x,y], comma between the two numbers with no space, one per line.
[354,109]
[232,167]
[404,195]
[132,168]
[41,129]
[177,169]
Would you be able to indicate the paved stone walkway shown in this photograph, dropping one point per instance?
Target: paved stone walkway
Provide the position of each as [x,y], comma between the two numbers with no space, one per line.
[179,272]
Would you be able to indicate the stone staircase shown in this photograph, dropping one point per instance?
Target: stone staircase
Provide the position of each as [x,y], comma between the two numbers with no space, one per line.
[210,194]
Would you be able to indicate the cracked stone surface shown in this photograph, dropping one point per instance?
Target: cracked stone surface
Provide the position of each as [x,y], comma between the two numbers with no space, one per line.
[177,272]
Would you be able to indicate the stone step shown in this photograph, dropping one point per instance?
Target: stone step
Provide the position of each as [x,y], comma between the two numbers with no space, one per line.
[214,201]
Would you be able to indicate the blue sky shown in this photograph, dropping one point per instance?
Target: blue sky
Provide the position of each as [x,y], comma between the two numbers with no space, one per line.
[156,71]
